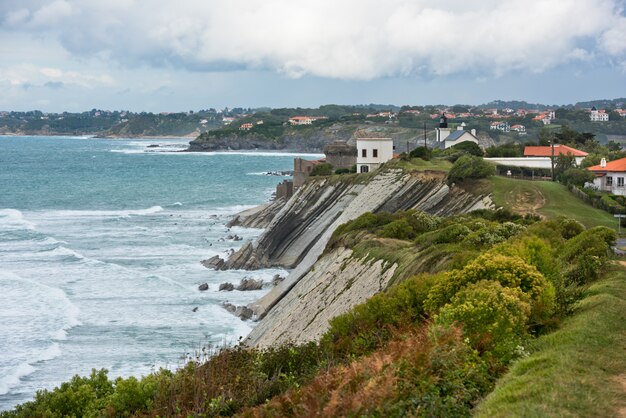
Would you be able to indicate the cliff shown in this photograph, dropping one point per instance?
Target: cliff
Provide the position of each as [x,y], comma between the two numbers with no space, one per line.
[337,282]
[300,139]
[321,286]
[316,290]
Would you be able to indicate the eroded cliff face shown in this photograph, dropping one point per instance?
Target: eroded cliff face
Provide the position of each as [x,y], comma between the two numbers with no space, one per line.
[336,283]
[300,231]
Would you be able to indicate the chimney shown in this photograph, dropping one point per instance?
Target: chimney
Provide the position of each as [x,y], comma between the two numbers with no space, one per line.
[473,131]
[603,163]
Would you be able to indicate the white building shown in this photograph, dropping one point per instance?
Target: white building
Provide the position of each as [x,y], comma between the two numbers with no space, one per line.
[520,129]
[598,115]
[457,137]
[610,176]
[372,152]
[500,126]
[540,156]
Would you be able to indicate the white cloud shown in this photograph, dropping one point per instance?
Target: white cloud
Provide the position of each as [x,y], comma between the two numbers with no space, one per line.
[28,75]
[349,39]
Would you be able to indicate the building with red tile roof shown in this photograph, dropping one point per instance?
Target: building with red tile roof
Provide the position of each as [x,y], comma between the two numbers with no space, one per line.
[610,176]
[546,151]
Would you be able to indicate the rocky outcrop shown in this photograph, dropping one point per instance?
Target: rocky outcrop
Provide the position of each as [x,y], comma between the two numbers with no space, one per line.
[336,284]
[259,216]
[312,140]
[298,234]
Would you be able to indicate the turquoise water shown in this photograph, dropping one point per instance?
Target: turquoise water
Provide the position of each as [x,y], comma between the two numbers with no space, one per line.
[100,243]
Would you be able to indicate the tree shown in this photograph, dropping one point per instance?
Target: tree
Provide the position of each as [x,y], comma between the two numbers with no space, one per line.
[470,166]
[576,177]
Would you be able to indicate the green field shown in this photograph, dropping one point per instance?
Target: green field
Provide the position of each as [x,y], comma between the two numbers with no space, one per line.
[577,371]
[548,199]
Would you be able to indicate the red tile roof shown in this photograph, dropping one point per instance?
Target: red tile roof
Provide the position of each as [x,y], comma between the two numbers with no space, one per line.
[558,150]
[617,165]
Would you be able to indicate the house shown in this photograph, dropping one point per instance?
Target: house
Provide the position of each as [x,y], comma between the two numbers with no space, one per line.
[300,120]
[445,138]
[546,152]
[610,176]
[621,112]
[304,120]
[458,136]
[500,126]
[520,129]
[539,157]
[372,152]
[227,120]
[596,115]
[245,127]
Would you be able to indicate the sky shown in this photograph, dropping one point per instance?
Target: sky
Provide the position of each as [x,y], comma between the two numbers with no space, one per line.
[163,55]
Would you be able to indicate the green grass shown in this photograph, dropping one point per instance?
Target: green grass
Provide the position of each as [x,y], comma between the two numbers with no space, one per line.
[546,198]
[417,164]
[578,370]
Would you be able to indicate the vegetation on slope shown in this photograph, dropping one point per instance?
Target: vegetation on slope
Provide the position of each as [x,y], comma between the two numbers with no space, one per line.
[431,345]
[547,199]
[579,370]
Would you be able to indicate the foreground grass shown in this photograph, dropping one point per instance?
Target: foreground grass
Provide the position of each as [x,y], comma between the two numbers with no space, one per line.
[578,370]
[546,198]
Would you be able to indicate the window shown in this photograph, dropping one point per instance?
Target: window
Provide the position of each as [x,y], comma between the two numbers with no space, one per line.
[365,168]
[364,153]
[609,181]
[620,182]
[375,153]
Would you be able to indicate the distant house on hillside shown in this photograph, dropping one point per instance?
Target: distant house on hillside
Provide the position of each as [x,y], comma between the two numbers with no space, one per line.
[500,126]
[520,129]
[245,127]
[300,120]
[596,115]
[304,120]
[372,152]
[610,176]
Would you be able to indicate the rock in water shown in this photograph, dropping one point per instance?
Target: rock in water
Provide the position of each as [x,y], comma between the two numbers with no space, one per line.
[277,279]
[227,287]
[250,284]
[203,287]
[229,307]
[214,262]
[243,312]
[195,309]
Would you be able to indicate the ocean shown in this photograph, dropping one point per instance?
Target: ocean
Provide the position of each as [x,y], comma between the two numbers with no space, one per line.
[100,249]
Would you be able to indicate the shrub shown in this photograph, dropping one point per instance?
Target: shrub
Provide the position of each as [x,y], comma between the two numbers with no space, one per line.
[510,272]
[398,229]
[448,234]
[587,253]
[324,169]
[470,167]
[576,177]
[342,171]
[422,152]
[467,147]
[492,317]
[368,325]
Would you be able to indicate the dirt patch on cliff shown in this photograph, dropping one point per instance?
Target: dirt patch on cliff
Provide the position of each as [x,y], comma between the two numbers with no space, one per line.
[527,201]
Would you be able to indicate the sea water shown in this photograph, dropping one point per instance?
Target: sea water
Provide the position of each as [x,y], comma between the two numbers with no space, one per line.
[100,249]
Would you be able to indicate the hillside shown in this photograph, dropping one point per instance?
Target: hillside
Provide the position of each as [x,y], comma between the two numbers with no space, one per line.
[404,301]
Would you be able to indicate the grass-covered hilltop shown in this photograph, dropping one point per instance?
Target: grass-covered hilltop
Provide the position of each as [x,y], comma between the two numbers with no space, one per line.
[518,309]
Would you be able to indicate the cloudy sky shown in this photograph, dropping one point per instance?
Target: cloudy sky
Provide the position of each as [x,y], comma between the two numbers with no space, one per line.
[164,55]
